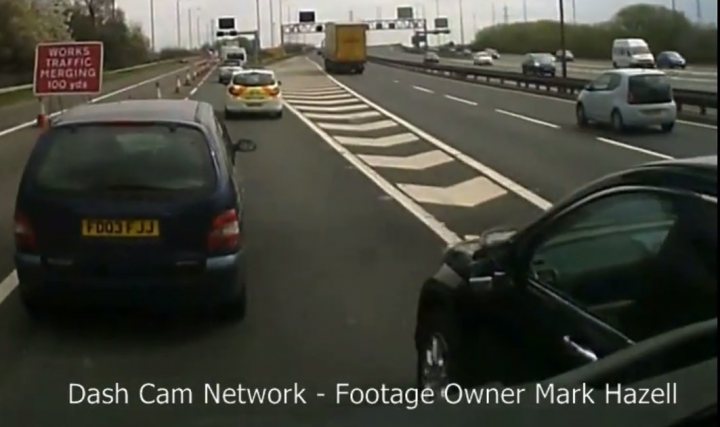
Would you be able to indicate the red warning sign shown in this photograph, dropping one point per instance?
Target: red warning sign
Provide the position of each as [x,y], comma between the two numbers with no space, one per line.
[68,68]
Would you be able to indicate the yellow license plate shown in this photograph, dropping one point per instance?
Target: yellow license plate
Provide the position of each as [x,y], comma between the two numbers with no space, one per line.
[120,228]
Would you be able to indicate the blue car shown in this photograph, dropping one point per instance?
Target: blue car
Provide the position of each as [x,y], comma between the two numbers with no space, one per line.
[670,60]
[133,202]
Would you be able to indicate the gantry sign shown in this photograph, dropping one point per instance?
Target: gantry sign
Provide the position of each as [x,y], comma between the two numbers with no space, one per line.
[405,20]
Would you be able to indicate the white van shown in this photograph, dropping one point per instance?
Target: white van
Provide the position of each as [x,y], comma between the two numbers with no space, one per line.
[632,53]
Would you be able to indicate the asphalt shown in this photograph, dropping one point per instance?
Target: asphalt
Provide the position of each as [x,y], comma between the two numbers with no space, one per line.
[339,242]
[330,296]
[702,78]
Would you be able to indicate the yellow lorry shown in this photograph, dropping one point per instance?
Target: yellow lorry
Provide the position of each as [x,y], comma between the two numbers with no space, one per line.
[345,47]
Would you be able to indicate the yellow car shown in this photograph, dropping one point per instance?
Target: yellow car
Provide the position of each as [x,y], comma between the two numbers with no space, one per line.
[253,91]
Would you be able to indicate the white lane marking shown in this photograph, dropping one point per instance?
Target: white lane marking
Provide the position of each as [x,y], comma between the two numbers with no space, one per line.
[462,157]
[92,101]
[383,142]
[472,236]
[317,97]
[349,116]
[527,119]
[339,109]
[308,89]
[337,91]
[8,285]
[363,127]
[634,148]
[421,214]
[396,81]
[419,161]
[535,95]
[423,89]
[467,194]
[323,102]
[697,124]
[464,101]
[202,82]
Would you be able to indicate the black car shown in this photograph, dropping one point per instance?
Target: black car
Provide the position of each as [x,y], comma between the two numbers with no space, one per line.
[540,64]
[132,202]
[670,60]
[626,258]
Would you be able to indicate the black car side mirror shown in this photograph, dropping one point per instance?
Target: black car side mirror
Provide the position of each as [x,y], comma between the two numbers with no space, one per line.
[485,276]
[589,87]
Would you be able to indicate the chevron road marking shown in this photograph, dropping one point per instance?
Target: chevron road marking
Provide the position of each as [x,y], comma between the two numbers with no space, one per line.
[465,194]
[340,109]
[314,92]
[420,161]
[364,127]
[351,116]
[323,102]
[383,142]
[321,97]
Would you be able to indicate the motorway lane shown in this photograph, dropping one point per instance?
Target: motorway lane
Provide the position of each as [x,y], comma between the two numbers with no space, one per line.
[692,79]
[550,162]
[334,272]
[687,139]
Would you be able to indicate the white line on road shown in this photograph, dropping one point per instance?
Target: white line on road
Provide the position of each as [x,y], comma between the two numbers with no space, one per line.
[527,119]
[364,127]
[343,116]
[634,148]
[421,214]
[464,101]
[8,285]
[462,157]
[331,109]
[418,161]
[423,89]
[202,82]
[382,142]
[317,97]
[697,124]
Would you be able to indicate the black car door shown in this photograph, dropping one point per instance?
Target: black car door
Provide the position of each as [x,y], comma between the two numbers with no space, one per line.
[586,272]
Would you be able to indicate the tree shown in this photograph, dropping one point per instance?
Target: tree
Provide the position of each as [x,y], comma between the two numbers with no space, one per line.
[22,26]
[662,28]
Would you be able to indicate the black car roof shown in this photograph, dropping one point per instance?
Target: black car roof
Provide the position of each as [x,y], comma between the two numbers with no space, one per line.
[152,110]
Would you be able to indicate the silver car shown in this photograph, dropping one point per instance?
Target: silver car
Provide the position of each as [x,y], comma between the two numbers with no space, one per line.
[228,68]
[628,98]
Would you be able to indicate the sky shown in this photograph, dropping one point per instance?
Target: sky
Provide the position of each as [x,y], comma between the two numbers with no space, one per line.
[477,14]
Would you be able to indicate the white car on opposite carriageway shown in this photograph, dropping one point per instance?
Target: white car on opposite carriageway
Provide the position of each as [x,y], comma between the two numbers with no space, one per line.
[253,91]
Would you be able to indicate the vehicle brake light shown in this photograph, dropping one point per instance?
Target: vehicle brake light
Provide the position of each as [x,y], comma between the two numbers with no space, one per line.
[25,238]
[272,90]
[224,234]
[236,90]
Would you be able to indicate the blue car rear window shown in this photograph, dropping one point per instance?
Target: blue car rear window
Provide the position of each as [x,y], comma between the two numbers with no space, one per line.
[128,157]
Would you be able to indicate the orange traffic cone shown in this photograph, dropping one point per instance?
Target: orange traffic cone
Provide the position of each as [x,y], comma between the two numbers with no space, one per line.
[42,118]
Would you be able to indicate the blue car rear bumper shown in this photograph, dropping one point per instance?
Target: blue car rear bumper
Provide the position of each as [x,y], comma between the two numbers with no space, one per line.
[220,279]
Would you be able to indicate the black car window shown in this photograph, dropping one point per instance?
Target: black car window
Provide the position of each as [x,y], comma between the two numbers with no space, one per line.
[642,262]
[254,79]
[615,80]
[102,158]
[650,89]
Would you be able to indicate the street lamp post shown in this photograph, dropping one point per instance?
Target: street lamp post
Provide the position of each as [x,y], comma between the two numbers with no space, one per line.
[257,17]
[272,25]
[190,38]
[562,39]
[152,24]
[197,28]
[177,11]
[462,24]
